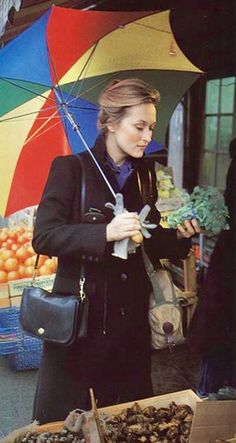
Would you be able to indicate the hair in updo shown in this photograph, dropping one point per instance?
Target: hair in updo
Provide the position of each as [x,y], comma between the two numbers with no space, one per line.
[120,95]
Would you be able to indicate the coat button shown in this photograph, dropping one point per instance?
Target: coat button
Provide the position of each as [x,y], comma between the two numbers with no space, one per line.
[123,277]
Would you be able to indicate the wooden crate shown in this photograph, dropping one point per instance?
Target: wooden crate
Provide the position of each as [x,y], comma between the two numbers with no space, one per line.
[16,286]
[181,397]
[4,295]
[10,293]
[55,426]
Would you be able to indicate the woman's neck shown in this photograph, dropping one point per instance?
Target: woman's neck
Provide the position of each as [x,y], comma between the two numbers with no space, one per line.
[114,152]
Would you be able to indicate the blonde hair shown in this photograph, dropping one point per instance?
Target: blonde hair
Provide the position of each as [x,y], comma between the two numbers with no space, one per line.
[121,94]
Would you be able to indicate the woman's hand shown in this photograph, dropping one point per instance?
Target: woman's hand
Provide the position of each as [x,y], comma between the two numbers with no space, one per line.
[189,228]
[123,226]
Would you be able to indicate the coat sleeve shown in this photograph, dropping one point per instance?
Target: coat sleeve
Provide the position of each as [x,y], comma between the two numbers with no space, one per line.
[165,244]
[57,231]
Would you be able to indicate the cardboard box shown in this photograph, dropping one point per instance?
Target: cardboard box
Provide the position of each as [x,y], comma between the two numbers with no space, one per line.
[213,420]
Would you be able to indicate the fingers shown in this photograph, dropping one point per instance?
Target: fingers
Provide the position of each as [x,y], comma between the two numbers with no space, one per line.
[188,229]
[196,225]
[122,226]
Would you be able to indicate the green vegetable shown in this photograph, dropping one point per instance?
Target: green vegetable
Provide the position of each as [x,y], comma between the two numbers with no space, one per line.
[207,206]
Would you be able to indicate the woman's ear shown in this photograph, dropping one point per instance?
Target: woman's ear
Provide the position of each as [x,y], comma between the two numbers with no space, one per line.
[111,126]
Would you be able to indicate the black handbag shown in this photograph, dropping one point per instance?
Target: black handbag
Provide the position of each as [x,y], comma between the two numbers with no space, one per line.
[57,318]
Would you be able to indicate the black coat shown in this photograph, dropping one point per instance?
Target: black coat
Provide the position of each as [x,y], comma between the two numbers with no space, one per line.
[115,357]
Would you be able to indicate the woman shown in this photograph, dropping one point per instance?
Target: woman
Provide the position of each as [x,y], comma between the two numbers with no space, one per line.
[114,359]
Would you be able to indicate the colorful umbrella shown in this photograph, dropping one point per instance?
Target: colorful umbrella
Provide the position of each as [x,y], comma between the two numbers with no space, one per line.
[56,69]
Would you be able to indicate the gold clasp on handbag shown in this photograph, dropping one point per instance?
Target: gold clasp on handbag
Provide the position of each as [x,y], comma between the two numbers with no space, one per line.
[82,294]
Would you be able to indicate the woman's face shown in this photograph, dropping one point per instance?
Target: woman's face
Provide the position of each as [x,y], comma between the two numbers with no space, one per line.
[132,133]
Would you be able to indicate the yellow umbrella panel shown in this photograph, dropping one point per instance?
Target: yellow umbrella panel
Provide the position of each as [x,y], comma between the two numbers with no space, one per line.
[145,48]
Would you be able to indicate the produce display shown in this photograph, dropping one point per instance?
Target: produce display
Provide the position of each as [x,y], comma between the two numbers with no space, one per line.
[133,425]
[170,197]
[156,425]
[207,206]
[17,256]
[63,436]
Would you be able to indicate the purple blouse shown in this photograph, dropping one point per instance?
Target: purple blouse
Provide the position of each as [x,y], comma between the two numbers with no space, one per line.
[122,172]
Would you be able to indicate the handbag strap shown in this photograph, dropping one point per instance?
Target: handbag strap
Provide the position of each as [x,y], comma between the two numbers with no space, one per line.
[153,276]
[82,211]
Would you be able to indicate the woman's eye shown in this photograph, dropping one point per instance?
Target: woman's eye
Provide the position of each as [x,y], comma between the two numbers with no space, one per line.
[139,128]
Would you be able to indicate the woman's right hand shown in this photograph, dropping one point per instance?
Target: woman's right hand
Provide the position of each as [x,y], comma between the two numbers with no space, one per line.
[123,226]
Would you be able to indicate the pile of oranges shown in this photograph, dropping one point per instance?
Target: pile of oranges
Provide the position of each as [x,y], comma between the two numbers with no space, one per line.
[17,256]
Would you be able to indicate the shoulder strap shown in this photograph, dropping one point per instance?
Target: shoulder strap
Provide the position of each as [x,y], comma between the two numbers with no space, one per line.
[83,187]
[151,272]
[154,276]
[147,183]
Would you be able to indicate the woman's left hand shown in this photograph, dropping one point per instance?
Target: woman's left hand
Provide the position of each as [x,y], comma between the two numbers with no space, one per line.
[188,229]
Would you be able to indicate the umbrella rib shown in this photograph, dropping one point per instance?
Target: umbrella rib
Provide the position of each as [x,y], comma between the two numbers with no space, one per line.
[37,95]
[57,86]
[91,88]
[43,124]
[84,67]
[152,27]
[16,117]
[79,76]
[36,135]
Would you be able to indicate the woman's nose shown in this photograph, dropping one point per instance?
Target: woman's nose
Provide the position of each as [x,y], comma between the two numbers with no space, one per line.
[147,134]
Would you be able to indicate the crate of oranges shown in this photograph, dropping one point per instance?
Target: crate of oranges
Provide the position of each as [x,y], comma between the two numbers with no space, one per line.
[17,259]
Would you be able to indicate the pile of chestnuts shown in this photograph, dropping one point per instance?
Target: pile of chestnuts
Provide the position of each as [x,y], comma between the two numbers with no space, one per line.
[150,425]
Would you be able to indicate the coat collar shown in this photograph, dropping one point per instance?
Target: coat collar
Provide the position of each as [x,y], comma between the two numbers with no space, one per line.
[99,151]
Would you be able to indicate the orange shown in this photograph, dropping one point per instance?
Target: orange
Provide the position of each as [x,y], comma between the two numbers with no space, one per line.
[3,236]
[3,277]
[11,264]
[12,275]
[7,253]
[44,270]
[22,254]
[9,243]
[22,271]
[29,270]
[1,264]
[30,250]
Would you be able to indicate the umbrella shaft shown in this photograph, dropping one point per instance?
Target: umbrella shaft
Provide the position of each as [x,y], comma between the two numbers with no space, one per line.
[95,161]
[76,128]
